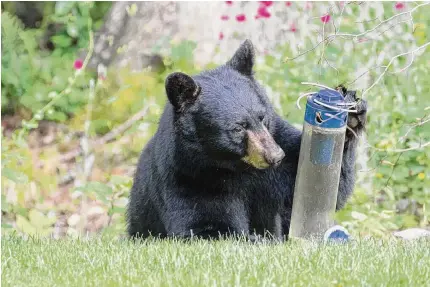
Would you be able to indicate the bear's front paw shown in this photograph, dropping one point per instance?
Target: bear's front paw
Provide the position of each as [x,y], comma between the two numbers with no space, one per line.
[356,120]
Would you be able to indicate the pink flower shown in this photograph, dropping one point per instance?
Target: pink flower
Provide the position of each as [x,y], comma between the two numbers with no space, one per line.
[221,36]
[77,65]
[293,27]
[399,6]
[229,3]
[262,12]
[225,17]
[325,18]
[266,3]
[308,5]
[241,18]
[288,3]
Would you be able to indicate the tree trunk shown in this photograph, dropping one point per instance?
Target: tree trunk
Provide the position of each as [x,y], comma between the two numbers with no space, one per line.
[133,34]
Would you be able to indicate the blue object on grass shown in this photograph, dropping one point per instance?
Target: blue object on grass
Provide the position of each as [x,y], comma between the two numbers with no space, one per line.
[336,234]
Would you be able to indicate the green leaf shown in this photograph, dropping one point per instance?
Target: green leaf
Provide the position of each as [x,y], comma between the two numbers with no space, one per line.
[61,41]
[57,116]
[99,188]
[4,204]
[5,225]
[15,176]
[24,225]
[72,30]
[39,220]
[116,209]
[63,7]
[29,125]
[119,180]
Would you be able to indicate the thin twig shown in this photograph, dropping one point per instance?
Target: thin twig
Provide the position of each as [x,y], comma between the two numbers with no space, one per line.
[394,167]
[359,34]
[122,128]
[389,64]
[340,18]
[86,144]
[420,146]
[407,66]
[421,122]
[106,138]
[392,26]
[331,66]
[318,85]
[352,131]
[67,90]
[383,22]
[367,21]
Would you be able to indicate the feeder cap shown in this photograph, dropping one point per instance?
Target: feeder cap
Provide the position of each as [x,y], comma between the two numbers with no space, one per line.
[329,97]
[319,112]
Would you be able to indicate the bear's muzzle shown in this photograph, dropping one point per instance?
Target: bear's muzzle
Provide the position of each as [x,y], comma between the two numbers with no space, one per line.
[262,150]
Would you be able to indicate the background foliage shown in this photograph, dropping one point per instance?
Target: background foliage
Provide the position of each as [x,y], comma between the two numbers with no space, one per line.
[43,194]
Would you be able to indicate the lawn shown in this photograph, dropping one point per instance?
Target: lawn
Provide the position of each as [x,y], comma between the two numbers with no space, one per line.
[105,262]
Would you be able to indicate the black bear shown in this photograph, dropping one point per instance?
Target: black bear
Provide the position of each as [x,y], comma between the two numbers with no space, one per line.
[222,162]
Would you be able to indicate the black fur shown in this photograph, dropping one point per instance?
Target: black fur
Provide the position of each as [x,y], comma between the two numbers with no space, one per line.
[191,180]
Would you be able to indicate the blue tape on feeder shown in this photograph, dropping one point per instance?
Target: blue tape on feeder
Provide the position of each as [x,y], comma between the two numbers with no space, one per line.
[322,149]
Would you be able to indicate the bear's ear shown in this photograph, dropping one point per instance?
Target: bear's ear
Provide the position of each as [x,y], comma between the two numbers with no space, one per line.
[181,89]
[243,60]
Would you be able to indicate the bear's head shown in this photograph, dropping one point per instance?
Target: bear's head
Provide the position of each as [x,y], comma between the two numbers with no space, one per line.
[226,112]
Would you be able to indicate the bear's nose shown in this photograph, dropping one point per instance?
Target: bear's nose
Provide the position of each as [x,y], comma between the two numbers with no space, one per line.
[276,157]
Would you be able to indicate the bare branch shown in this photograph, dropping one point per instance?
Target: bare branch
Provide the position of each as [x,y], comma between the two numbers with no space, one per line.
[407,66]
[88,158]
[420,122]
[122,128]
[383,22]
[317,85]
[340,19]
[390,63]
[361,75]
[330,65]
[367,21]
[394,25]
[322,49]
[106,138]
[355,36]
[420,146]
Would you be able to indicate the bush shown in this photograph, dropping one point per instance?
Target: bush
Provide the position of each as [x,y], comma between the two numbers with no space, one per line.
[32,76]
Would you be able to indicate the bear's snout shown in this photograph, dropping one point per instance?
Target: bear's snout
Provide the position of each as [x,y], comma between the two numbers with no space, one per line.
[275,156]
[262,150]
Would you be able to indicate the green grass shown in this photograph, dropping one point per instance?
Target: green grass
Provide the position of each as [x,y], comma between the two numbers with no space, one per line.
[102,262]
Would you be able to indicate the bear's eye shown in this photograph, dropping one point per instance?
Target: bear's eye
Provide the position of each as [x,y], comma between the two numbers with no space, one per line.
[240,127]
[261,118]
